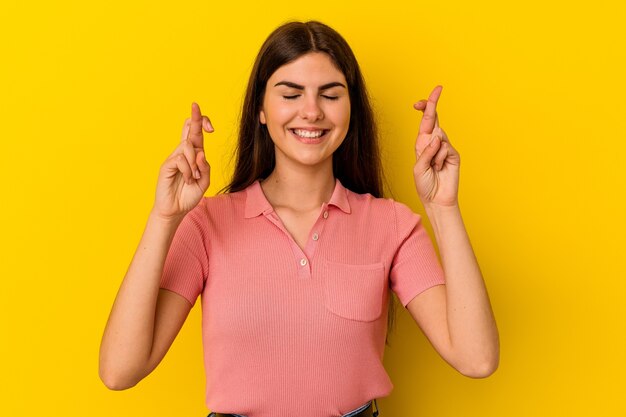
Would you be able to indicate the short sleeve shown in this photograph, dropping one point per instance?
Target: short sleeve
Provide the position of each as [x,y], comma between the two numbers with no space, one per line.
[415,266]
[186,265]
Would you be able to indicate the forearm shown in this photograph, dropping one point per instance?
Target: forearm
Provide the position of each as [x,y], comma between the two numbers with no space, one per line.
[471,324]
[128,335]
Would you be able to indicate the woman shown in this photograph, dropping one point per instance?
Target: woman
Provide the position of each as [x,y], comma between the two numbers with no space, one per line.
[295,262]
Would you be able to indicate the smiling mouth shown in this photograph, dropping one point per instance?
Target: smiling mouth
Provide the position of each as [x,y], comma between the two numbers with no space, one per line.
[308,134]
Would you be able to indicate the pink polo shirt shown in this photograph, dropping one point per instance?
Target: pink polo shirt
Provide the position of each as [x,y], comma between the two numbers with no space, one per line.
[290,332]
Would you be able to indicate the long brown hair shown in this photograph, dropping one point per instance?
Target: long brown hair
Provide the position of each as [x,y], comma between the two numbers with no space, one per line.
[356,163]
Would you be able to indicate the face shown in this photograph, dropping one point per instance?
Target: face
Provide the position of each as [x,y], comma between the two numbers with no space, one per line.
[306,109]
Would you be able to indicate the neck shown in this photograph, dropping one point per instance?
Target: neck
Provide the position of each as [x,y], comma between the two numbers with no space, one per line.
[301,189]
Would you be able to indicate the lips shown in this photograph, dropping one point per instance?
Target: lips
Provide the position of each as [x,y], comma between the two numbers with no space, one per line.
[310,136]
[309,133]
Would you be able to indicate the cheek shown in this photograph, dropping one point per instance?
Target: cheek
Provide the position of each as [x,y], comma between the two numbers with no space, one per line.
[277,117]
[282,114]
[277,111]
[344,116]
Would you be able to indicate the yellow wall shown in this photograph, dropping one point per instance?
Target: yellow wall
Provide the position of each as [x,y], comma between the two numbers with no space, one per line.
[93,96]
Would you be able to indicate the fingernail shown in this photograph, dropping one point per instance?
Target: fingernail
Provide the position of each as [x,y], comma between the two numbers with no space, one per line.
[196,174]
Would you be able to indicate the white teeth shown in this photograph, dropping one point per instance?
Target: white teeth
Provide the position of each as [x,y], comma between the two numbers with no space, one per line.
[308,133]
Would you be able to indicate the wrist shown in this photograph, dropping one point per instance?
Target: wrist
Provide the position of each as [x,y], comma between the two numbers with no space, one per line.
[440,214]
[441,209]
[164,221]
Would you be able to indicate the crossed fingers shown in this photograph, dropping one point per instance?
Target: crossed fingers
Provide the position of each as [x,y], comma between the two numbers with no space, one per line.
[430,120]
[429,126]
[192,129]
[192,139]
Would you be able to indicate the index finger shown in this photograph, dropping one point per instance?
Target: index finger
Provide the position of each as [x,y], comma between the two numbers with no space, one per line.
[195,129]
[429,121]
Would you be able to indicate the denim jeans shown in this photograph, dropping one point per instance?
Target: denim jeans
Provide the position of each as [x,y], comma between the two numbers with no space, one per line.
[349,414]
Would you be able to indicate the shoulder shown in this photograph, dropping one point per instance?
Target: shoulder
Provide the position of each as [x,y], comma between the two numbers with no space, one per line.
[385,214]
[383,206]
[212,208]
[225,202]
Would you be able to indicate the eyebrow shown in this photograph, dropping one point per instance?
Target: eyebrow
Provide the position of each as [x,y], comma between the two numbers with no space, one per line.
[301,87]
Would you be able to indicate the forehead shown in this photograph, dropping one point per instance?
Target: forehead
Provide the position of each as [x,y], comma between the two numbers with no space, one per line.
[315,68]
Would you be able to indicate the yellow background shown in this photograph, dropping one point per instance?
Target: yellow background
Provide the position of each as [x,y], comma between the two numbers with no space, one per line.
[93,96]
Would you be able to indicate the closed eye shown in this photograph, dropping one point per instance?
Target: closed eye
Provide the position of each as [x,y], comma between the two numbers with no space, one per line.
[298,95]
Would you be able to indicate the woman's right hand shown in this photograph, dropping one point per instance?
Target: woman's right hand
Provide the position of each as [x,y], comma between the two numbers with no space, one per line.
[184,176]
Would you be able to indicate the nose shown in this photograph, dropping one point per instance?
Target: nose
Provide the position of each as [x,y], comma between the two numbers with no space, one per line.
[311,109]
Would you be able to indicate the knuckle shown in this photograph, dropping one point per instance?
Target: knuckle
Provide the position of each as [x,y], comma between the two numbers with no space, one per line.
[179,149]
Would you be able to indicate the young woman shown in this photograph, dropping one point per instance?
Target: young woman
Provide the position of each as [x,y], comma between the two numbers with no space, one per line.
[297,261]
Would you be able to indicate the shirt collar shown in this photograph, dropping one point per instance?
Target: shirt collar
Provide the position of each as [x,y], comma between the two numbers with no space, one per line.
[256,202]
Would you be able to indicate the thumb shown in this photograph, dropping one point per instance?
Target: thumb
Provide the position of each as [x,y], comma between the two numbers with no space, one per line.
[427,155]
[205,170]
[203,165]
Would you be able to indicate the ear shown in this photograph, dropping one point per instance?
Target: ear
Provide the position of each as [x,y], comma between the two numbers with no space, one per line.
[262,117]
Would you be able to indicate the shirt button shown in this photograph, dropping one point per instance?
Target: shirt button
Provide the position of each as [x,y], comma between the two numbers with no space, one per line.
[325,214]
[315,236]
[303,262]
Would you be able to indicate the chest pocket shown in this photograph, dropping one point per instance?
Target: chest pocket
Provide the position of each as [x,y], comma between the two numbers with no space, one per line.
[354,292]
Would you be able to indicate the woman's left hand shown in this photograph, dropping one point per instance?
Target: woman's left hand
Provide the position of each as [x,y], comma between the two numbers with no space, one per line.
[436,171]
